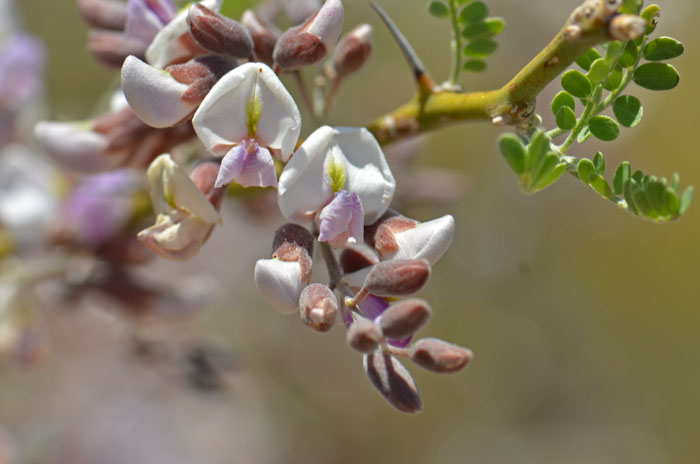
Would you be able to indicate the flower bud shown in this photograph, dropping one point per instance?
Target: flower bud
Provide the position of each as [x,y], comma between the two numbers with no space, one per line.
[293,234]
[382,236]
[111,48]
[164,98]
[356,257]
[352,53]
[318,307]
[364,336]
[626,27]
[204,178]
[398,277]
[308,43]
[103,14]
[218,33]
[404,318]
[76,146]
[264,35]
[397,237]
[393,381]
[437,355]
[298,11]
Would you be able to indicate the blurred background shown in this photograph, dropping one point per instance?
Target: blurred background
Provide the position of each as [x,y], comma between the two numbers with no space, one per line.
[584,320]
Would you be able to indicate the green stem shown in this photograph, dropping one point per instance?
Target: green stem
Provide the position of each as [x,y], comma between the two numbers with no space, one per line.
[511,104]
[456,44]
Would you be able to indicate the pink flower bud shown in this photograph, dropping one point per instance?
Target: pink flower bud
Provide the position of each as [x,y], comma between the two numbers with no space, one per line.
[393,381]
[218,33]
[318,307]
[309,43]
[397,277]
[111,48]
[356,257]
[364,336]
[103,14]
[264,35]
[437,355]
[352,52]
[404,318]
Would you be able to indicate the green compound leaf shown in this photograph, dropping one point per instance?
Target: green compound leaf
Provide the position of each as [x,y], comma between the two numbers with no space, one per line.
[599,163]
[576,83]
[656,76]
[514,152]
[663,48]
[562,99]
[438,9]
[566,118]
[474,12]
[536,151]
[604,128]
[480,48]
[631,6]
[622,175]
[628,110]
[629,56]
[484,29]
[584,135]
[587,59]
[613,51]
[585,169]
[600,185]
[599,70]
[614,79]
[474,66]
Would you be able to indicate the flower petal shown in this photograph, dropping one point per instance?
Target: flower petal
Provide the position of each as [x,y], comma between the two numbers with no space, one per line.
[305,188]
[256,169]
[145,18]
[328,23]
[75,146]
[280,283]
[428,240]
[173,43]
[153,94]
[171,189]
[342,220]
[178,237]
[222,116]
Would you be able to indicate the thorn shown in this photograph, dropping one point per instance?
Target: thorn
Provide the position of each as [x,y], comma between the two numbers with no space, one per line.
[426,86]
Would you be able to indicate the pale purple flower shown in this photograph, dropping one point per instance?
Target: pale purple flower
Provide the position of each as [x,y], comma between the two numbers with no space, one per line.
[250,119]
[145,18]
[342,220]
[21,71]
[101,205]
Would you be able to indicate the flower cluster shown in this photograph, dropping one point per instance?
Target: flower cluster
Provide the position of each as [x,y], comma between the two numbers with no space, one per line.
[199,73]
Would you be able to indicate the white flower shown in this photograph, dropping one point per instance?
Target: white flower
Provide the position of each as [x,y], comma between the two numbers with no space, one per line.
[173,43]
[427,240]
[185,218]
[281,283]
[330,161]
[249,118]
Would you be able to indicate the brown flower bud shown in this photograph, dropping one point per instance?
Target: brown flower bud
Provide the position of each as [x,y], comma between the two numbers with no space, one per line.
[398,277]
[293,242]
[309,42]
[381,235]
[352,53]
[318,307]
[364,336]
[103,14]
[264,35]
[356,257]
[218,33]
[111,48]
[200,74]
[393,381]
[404,318]
[294,234]
[437,355]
